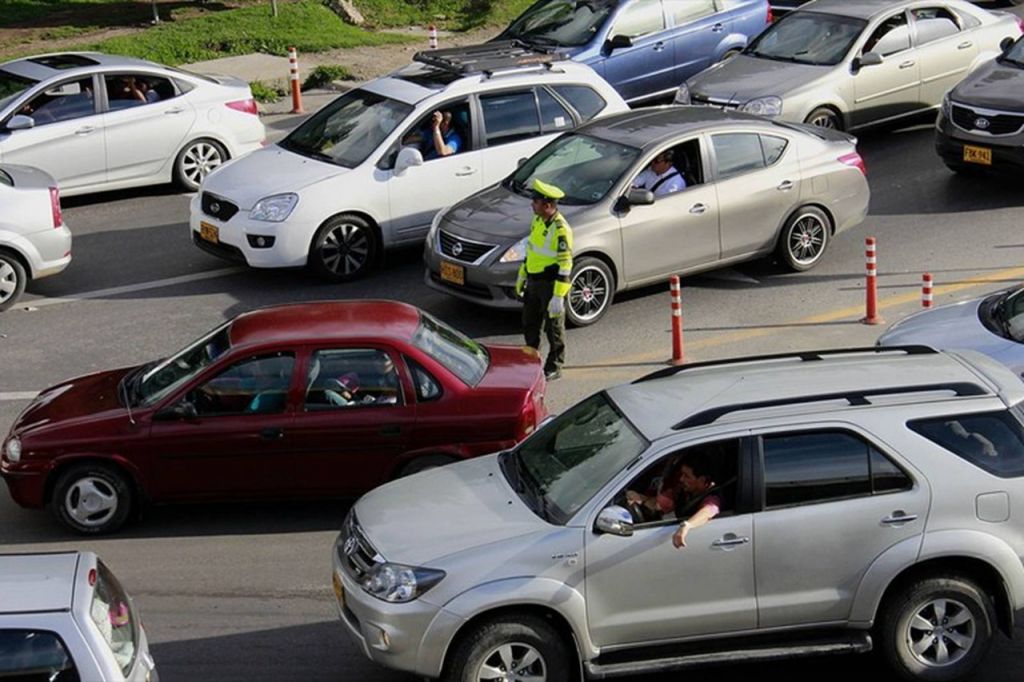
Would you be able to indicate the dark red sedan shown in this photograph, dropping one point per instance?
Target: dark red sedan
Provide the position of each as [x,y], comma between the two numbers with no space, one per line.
[311,400]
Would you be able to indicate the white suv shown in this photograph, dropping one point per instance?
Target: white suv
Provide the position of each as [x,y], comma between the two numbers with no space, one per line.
[358,176]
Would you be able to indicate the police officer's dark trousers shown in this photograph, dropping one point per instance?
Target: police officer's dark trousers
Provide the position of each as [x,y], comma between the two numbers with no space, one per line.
[539,290]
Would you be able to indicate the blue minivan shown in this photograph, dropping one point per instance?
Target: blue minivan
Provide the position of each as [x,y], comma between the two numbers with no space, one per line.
[644,48]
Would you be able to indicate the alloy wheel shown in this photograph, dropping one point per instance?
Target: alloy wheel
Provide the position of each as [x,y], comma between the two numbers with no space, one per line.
[513,662]
[345,249]
[824,120]
[807,239]
[588,294]
[199,161]
[941,632]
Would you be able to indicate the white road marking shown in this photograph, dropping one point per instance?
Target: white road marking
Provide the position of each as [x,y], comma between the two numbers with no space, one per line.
[131,288]
[18,395]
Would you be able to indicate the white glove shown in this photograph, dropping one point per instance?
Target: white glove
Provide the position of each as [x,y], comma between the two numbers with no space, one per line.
[556,306]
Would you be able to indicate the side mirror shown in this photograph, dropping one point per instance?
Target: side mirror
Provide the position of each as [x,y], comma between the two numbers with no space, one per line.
[521,161]
[617,42]
[1006,43]
[868,59]
[183,411]
[614,520]
[407,158]
[635,197]
[20,122]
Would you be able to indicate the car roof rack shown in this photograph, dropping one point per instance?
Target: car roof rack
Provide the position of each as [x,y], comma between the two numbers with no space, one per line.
[854,398]
[489,58]
[803,356]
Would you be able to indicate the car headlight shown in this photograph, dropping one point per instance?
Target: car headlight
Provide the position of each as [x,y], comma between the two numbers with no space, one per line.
[763,106]
[398,584]
[274,209]
[434,226]
[947,106]
[682,95]
[14,450]
[515,253]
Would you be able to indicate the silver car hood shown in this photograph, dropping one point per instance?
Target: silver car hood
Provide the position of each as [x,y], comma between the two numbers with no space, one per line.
[498,212]
[425,517]
[744,78]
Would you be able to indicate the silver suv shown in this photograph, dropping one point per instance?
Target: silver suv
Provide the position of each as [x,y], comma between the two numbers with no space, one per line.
[862,498]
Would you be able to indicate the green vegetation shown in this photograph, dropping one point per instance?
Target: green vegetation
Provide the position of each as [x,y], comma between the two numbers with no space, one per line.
[20,11]
[264,93]
[324,74]
[458,15]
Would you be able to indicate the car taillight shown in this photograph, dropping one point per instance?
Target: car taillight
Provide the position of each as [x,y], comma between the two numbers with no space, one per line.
[527,421]
[1020,24]
[58,220]
[854,160]
[92,577]
[246,106]
[771,15]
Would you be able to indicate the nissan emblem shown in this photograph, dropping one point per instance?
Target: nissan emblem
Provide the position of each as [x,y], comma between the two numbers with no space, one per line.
[981,123]
[457,249]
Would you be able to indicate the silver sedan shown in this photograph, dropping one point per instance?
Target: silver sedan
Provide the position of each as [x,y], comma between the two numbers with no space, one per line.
[752,187]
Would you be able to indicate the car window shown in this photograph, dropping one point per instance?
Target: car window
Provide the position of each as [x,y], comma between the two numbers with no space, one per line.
[892,36]
[554,118]
[160,379]
[804,468]
[561,22]
[351,378]
[126,90]
[254,386]
[510,116]
[455,128]
[640,18]
[934,23]
[584,167]
[583,99]
[35,656]
[459,354]
[683,11]
[11,86]
[112,612]
[993,441]
[807,37]
[737,153]
[773,148]
[64,102]
[427,387]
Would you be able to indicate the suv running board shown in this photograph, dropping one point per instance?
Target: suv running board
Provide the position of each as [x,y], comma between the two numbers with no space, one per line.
[851,643]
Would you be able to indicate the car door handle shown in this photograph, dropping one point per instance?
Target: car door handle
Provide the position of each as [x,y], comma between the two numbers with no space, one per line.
[899,518]
[85,130]
[718,28]
[175,110]
[391,430]
[730,540]
[907,65]
[965,45]
[272,433]
[464,172]
[785,186]
[698,208]
[659,46]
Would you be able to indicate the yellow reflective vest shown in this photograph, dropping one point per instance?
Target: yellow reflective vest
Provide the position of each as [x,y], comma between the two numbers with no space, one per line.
[549,251]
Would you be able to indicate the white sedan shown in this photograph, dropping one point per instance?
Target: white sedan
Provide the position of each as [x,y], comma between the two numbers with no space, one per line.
[101,122]
[34,241]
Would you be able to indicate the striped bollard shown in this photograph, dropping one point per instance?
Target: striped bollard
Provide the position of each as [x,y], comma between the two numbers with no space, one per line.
[926,290]
[871,302]
[293,69]
[677,321]
[432,33]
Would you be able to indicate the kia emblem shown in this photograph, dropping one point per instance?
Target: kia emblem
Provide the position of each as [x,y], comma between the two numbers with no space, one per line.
[215,207]
[457,249]
[981,123]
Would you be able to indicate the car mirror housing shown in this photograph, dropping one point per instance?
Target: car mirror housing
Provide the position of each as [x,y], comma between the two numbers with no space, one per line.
[20,122]
[617,42]
[640,197]
[407,158]
[183,411]
[869,59]
[521,161]
[614,520]
[1006,43]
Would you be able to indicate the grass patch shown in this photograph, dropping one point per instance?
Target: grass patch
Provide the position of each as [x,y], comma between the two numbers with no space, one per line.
[264,93]
[309,26]
[458,15]
[22,11]
[324,74]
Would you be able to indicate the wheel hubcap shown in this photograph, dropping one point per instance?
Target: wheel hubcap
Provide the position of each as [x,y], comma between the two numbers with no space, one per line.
[346,249]
[807,239]
[8,281]
[941,633]
[823,121]
[588,295]
[515,662]
[199,161]
[91,501]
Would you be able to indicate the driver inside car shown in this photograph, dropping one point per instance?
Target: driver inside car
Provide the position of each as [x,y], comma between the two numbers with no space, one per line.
[686,492]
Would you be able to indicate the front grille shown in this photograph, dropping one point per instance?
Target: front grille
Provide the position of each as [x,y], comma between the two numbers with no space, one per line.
[221,209]
[463,249]
[701,100]
[355,552]
[998,123]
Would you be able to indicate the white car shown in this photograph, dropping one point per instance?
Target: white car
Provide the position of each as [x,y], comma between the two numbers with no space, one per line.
[64,617]
[359,175]
[101,122]
[34,241]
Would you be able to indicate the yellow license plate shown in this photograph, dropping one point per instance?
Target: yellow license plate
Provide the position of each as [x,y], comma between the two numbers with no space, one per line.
[450,272]
[980,155]
[210,233]
[339,591]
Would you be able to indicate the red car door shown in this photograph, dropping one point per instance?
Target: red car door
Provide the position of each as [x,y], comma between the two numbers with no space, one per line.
[236,443]
[353,420]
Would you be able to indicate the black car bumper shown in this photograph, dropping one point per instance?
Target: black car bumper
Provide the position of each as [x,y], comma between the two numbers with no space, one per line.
[1006,153]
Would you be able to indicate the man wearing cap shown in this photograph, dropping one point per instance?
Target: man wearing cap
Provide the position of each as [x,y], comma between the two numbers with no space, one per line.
[543,281]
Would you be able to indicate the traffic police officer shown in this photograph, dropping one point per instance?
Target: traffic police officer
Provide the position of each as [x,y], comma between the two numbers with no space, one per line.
[543,280]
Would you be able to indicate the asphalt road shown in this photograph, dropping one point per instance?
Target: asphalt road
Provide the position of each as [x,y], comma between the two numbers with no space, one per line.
[243,592]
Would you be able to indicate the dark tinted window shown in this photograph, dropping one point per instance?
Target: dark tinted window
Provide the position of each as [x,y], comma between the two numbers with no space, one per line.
[427,387]
[510,116]
[584,100]
[892,36]
[554,118]
[885,475]
[70,100]
[814,467]
[773,148]
[934,23]
[639,19]
[131,90]
[737,153]
[11,86]
[34,656]
[993,441]
[255,386]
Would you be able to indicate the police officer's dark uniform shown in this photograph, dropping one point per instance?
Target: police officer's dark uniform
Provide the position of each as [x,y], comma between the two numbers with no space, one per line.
[544,275]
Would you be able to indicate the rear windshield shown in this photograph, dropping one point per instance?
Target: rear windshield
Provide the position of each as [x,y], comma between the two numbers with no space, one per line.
[112,612]
[461,355]
[11,86]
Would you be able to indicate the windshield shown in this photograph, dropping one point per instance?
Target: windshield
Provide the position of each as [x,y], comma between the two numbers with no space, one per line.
[11,86]
[561,22]
[583,167]
[1015,55]
[348,129]
[152,384]
[808,38]
[111,611]
[461,355]
[1008,314]
[570,459]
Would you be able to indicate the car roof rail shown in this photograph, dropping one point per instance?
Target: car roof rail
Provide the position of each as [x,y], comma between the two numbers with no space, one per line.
[858,398]
[490,58]
[803,356]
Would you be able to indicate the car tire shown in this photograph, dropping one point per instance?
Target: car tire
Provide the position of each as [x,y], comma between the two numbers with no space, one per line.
[196,160]
[498,645]
[946,599]
[804,238]
[823,117]
[92,499]
[13,279]
[344,248]
[423,463]
[729,54]
[591,290]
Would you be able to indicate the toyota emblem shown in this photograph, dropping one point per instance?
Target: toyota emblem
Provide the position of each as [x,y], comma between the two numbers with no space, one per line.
[457,249]
[981,123]
[215,207]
